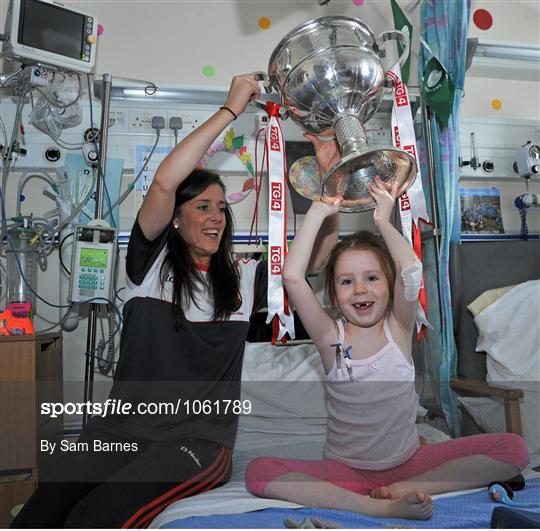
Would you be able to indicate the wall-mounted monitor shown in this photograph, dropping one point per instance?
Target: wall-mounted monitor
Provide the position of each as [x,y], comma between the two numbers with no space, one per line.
[48,33]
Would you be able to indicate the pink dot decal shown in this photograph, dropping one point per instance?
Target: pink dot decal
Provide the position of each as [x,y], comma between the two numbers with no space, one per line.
[99,29]
[482,19]
[358,2]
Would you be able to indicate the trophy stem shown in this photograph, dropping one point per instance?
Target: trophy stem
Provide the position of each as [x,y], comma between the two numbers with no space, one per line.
[350,134]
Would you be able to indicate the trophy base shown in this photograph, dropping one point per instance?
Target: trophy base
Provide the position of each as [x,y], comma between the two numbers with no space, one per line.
[351,178]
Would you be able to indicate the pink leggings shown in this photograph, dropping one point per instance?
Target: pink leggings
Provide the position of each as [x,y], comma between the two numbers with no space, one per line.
[506,447]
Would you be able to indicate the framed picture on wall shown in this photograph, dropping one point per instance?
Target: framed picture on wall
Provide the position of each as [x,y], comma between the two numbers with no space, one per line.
[481,211]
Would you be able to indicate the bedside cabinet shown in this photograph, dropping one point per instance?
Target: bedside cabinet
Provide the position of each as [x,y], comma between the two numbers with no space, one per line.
[30,373]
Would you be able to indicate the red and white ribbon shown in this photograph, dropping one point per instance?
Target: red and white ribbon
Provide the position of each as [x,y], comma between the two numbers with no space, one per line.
[403,137]
[412,203]
[278,307]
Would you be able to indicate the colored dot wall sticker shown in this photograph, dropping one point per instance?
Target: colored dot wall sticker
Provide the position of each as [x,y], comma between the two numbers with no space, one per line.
[496,104]
[482,19]
[264,23]
[358,2]
[208,70]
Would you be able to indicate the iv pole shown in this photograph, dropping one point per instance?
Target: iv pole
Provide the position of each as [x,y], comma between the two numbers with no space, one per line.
[93,307]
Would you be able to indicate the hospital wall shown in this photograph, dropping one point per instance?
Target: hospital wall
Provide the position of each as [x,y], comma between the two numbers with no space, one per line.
[205,43]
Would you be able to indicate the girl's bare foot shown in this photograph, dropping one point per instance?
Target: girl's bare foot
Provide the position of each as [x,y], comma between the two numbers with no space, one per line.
[383,493]
[395,491]
[414,506]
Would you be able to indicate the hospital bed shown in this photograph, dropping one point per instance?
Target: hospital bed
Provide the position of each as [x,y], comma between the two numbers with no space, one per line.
[288,419]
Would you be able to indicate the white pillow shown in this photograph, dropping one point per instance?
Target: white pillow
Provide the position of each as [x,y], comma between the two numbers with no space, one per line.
[485,299]
[284,385]
[508,329]
[267,362]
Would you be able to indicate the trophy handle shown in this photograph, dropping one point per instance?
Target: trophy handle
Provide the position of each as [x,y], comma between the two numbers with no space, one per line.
[261,76]
[398,36]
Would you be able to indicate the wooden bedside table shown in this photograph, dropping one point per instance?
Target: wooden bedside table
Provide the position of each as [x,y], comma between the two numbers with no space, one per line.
[31,372]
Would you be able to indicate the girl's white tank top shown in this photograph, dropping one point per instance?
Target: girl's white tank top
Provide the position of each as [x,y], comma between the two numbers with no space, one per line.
[372,424]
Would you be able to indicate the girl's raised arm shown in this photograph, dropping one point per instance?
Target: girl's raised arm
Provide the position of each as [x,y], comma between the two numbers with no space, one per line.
[404,307]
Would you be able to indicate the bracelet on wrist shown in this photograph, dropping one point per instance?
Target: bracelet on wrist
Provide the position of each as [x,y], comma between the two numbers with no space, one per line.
[225,108]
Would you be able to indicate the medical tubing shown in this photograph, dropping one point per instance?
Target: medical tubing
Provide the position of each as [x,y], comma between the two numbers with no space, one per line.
[9,243]
[131,185]
[11,76]
[79,206]
[112,347]
[45,234]
[57,103]
[102,362]
[62,143]
[60,245]
[98,150]
[3,275]
[7,160]
[4,132]
[524,226]
[31,173]
[521,204]
[116,296]
[12,248]
[106,364]
[115,275]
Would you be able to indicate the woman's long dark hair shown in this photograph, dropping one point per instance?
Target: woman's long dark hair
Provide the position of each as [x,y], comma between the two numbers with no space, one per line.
[222,278]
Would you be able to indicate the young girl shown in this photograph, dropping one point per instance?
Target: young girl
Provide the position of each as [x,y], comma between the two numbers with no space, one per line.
[373,462]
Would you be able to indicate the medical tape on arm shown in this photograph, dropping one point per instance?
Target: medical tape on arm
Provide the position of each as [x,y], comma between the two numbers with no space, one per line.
[411,278]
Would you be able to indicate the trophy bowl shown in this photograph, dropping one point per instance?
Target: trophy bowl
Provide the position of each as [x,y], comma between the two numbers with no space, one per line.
[329,75]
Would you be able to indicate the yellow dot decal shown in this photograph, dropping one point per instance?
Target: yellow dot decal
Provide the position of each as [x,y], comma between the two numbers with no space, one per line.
[496,104]
[264,23]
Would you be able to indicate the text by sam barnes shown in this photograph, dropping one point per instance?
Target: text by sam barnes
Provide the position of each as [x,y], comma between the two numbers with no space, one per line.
[96,445]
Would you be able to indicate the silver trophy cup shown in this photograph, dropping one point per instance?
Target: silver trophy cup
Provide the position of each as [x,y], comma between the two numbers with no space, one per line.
[329,75]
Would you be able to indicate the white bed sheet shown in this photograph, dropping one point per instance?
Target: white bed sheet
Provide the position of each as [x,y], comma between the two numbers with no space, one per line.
[234,498]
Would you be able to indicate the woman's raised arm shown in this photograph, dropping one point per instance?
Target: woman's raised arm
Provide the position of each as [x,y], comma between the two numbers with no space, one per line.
[158,206]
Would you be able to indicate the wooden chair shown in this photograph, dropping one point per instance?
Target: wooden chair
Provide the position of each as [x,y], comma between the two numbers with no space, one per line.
[477,266]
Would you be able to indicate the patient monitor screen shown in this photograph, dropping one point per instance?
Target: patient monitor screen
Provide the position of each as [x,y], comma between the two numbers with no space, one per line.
[51,28]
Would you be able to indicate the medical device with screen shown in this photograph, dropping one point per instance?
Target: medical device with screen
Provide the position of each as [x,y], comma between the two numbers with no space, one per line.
[48,33]
[96,258]
[92,264]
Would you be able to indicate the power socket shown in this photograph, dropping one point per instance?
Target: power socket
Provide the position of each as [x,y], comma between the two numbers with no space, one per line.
[261,121]
[139,122]
[118,120]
